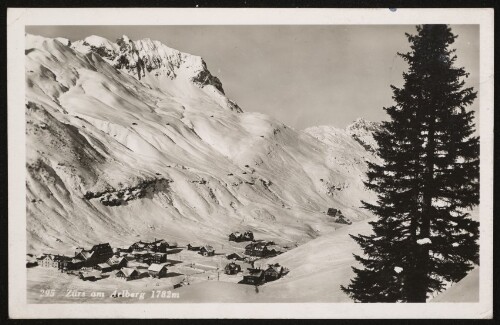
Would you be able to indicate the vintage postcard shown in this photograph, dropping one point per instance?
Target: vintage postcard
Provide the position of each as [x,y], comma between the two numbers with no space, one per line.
[249,163]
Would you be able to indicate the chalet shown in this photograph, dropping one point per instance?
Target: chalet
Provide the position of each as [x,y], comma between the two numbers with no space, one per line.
[273,250]
[143,256]
[239,237]
[235,256]
[117,262]
[338,216]
[137,246]
[90,276]
[193,247]
[253,276]
[142,273]
[159,258]
[137,265]
[104,267]
[119,250]
[157,270]
[235,236]
[207,250]
[257,249]
[53,261]
[232,268]
[127,274]
[73,264]
[333,212]
[99,253]
[274,272]
[158,245]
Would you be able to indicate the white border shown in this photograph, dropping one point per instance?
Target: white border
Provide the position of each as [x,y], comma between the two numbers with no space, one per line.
[18,18]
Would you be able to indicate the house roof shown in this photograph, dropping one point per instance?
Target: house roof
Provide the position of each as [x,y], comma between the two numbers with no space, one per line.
[233,265]
[103,265]
[55,257]
[86,254]
[116,260]
[208,248]
[253,272]
[100,246]
[275,268]
[257,246]
[156,267]
[236,254]
[91,274]
[44,257]
[127,271]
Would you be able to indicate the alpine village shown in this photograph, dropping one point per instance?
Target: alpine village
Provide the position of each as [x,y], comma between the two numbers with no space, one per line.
[149,259]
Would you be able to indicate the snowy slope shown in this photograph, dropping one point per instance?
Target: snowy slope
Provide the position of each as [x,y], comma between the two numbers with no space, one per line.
[318,268]
[111,157]
[466,290]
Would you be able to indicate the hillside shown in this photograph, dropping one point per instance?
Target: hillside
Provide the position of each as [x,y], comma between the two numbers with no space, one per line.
[111,157]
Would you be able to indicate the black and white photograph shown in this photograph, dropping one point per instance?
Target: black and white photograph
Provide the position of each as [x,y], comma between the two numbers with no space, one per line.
[226,163]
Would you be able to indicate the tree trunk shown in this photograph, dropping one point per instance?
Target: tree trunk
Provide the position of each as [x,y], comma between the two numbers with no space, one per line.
[419,294]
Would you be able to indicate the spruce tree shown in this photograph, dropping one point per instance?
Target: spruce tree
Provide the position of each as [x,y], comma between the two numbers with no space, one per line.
[427,183]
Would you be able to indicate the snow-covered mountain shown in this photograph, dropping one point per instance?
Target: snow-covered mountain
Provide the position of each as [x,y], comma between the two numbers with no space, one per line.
[134,139]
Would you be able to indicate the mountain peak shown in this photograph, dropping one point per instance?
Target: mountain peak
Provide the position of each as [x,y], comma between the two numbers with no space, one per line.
[362,131]
[362,124]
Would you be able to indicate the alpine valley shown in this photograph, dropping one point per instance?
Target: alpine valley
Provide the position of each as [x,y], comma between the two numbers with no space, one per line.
[132,140]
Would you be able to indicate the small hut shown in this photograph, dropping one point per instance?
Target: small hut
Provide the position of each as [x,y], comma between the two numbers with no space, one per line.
[193,247]
[127,274]
[90,276]
[157,270]
[235,256]
[207,250]
[104,267]
[274,272]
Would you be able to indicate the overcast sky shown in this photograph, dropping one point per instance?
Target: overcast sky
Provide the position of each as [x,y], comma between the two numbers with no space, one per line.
[301,75]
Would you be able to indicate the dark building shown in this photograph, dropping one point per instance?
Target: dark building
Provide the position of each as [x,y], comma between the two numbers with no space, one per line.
[253,276]
[159,258]
[207,250]
[99,253]
[239,237]
[117,262]
[274,272]
[232,268]
[235,256]
[257,249]
[193,247]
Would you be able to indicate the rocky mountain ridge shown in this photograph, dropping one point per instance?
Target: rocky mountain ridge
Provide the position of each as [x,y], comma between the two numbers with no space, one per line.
[111,156]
